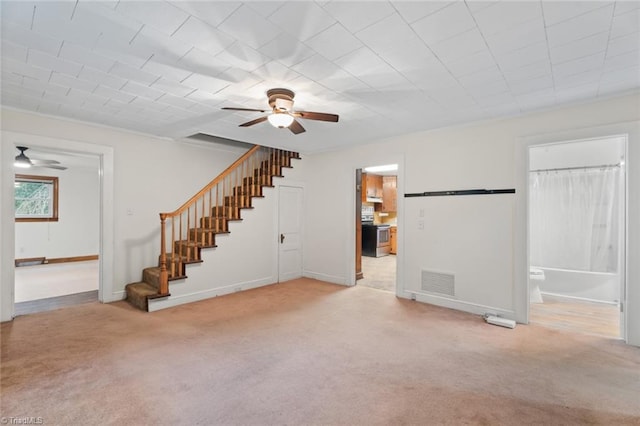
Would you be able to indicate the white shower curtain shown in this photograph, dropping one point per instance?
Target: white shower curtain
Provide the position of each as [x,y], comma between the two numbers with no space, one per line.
[574,219]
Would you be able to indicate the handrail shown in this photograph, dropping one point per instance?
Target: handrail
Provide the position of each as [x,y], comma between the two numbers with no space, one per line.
[213,182]
[193,226]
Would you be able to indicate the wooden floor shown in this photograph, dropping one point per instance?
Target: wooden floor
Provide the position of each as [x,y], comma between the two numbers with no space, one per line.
[598,319]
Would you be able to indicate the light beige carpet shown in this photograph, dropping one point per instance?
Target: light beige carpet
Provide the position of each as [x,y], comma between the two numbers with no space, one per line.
[308,353]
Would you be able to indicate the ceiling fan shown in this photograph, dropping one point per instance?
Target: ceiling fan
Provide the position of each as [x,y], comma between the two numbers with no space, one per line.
[282,113]
[22,161]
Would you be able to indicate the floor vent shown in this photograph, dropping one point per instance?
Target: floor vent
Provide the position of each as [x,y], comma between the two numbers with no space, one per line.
[438,282]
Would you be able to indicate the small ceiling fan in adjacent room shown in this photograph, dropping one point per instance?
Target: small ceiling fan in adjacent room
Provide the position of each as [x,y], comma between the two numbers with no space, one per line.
[24,162]
[282,113]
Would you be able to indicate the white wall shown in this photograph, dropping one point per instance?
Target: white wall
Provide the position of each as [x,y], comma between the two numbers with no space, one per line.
[150,175]
[77,231]
[481,239]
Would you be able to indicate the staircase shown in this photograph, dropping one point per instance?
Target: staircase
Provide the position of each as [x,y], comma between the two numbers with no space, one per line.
[193,227]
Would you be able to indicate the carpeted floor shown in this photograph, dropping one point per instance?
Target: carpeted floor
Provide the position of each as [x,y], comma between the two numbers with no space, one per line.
[308,353]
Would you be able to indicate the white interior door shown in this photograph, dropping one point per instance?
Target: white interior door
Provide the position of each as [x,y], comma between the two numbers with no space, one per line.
[290,235]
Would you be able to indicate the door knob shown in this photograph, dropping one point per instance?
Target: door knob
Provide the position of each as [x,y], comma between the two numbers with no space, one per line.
[281,238]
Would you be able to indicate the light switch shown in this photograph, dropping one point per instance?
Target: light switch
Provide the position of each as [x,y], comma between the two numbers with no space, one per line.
[421,213]
[129,212]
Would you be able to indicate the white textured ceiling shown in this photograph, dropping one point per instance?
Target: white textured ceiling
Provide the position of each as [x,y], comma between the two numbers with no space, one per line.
[386,67]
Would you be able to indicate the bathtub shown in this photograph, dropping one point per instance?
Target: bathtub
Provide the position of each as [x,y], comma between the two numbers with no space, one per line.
[597,286]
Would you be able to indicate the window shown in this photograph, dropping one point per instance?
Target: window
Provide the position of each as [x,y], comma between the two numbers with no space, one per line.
[36,198]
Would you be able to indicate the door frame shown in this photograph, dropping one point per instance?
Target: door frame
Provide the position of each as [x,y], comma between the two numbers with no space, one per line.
[290,184]
[630,131]
[106,238]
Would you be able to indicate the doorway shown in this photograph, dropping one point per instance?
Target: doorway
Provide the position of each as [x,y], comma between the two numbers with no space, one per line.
[56,255]
[577,204]
[376,225]
[290,232]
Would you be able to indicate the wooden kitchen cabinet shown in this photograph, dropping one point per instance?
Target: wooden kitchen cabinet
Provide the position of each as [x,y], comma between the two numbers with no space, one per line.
[389,194]
[393,237]
[371,186]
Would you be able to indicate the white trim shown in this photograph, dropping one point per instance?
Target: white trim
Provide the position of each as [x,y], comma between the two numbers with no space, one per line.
[631,300]
[171,301]
[106,175]
[459,305]
[326,277]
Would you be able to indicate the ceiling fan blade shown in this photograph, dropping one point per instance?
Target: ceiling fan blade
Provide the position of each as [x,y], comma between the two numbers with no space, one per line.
[50,166]
[296,127]
[252,122]
[244,109]
[43,162]
[321,116]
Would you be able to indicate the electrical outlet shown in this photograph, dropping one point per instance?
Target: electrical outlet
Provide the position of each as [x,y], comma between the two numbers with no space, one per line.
[421,224]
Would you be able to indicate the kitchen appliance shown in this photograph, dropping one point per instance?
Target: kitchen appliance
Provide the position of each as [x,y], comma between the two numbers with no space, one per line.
[367,214]
[376,240]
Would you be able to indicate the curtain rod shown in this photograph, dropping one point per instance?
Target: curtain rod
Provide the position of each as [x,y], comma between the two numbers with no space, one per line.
[602,166]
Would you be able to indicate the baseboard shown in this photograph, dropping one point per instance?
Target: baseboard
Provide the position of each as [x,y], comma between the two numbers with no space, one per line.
[116,296]
[582,299]
[181,299]
[459,305]
[71,259]
[325,277]
[29,261]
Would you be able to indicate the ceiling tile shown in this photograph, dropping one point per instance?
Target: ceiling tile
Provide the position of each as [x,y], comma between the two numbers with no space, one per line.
[287,50]
[265,8]
[536,69]
[202,62]
[249,27]
[412,11]
[488,89]
[203,36]
[18,12]
[576,66]
[105,79]
[471,64]
[110,93]
[559,11]
[88,17]
[13,51]
[579,48]
[205,83]
[506,14]
[171,87]
[275,71]
[172,71]
[120,51]
[596,21]
[22,68]
[444,24]
[387,34]
[625,24]
[161,15]
[176,101]
[79,54]
[325,42]
[523,35]
[25,37]
[243,57]
[625,60]
[141,90]
[288,18]
[532,85]
[316,68]
[624,44]
[411,55]
[354,16]
[150,41]
[130,73]
[573,80]
[44,60]
[485,76]
[496,100]
[579,93]
[213,13]
[74,83]
[522,57]
[341,81]
[460,46]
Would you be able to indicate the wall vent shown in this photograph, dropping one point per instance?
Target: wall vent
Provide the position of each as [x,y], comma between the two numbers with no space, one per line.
[438,282]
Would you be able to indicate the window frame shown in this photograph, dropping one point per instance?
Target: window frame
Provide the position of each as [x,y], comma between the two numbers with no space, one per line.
[46,179]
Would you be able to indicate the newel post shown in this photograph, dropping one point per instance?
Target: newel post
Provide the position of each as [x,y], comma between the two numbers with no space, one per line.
[164,274]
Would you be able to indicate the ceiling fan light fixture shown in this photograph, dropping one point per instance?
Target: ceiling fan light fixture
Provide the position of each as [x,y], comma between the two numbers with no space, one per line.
[22,161]
[280,120]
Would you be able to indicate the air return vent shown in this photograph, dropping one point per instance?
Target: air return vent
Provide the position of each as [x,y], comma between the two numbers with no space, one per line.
[438,282]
